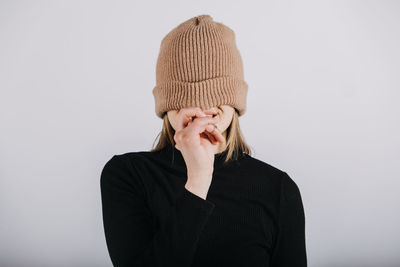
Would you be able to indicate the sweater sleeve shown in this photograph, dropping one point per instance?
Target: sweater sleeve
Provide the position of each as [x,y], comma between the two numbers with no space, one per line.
[128,223]
[290,245]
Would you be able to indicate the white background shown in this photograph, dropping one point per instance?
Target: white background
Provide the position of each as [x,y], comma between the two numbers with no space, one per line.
[76,80]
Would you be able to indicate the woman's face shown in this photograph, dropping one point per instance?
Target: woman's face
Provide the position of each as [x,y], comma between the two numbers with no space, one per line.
[179,118]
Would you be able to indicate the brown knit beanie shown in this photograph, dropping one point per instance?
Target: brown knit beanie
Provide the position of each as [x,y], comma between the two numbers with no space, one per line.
[199,65]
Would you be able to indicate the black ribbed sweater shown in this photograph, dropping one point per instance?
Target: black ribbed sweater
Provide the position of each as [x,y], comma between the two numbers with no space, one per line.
[253,214]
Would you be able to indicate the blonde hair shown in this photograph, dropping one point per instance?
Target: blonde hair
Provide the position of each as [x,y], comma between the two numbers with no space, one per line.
[235,142]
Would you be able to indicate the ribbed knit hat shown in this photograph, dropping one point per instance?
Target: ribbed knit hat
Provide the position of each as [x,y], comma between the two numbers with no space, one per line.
[199,65]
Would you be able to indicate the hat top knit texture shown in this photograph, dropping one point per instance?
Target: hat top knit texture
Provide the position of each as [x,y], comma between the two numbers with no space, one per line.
[199,65]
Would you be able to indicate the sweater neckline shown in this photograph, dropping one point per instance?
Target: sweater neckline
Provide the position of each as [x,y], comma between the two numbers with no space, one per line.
[175,157]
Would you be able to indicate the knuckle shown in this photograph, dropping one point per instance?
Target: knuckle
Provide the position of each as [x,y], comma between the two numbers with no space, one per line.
[186,141]
[178,136]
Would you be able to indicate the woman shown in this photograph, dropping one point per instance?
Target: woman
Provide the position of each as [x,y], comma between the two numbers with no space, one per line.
[199,198]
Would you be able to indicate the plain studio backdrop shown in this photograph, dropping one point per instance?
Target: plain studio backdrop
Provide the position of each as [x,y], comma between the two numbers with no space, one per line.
[76,80]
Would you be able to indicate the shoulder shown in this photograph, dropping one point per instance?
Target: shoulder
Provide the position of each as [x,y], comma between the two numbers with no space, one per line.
[272,174]
[259,168]
[123,168]
[126,160]
[261,165]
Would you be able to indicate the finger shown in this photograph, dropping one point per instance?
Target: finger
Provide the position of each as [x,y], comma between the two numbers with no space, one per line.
[188,119]
[187,114]
[211,112]
[203,120]
[216,133]
[199,125]
[207,135]
[211,137]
